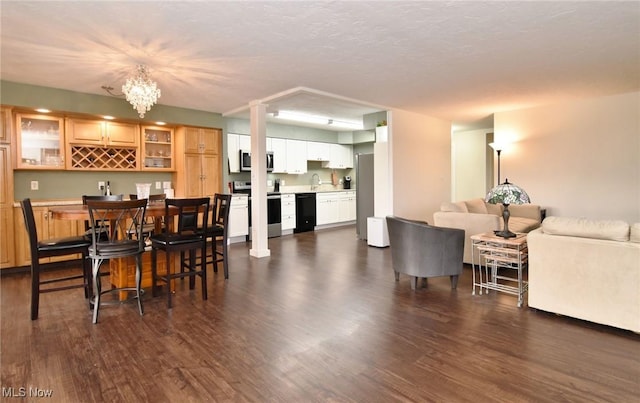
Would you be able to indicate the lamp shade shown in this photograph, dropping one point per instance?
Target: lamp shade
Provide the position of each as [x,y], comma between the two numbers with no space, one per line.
[507,193]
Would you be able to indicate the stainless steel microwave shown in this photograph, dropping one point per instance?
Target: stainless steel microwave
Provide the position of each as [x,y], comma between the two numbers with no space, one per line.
[245,161]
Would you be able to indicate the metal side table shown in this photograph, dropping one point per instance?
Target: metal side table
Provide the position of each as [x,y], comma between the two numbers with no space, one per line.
[491,253]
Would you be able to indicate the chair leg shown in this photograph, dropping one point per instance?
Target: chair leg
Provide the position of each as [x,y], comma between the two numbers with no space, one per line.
[192,268]
[225,260]
[414,282]
[154,272]
[214,253]
[139,282]
[168,277]
[97,288]
[454,281]
[203,274]
[35,288]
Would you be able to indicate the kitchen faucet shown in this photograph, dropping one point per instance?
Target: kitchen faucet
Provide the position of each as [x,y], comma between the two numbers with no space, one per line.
[315,181]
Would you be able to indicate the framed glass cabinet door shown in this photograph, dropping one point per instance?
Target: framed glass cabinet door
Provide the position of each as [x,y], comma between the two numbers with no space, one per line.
[40,142]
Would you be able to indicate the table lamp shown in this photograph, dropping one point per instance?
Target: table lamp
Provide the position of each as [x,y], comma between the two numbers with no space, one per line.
[507,193]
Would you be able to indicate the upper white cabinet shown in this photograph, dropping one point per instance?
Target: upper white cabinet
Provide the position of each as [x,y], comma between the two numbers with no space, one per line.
[341,157]
[318,151]
[279,148]
[296,156]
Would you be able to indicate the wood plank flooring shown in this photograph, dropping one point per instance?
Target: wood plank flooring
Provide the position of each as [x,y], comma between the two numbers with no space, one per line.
[321,320]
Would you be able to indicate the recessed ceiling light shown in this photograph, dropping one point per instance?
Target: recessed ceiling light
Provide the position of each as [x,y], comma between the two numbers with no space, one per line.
[108,117]
[160,123]
[43,110]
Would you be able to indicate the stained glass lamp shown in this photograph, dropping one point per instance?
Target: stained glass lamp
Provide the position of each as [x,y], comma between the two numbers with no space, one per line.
[506,194]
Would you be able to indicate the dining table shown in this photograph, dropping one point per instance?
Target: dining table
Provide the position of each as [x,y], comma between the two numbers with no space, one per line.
[122,270]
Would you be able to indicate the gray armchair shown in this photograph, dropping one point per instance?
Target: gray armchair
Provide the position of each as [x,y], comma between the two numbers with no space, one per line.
[422,250]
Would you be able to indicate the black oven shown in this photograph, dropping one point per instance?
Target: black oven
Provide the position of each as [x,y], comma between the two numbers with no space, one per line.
[245,161]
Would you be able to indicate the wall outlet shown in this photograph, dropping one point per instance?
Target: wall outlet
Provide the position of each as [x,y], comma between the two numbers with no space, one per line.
[166,185]
[101,185]
[158,185]
[34,185]
[281,182]
[269,182]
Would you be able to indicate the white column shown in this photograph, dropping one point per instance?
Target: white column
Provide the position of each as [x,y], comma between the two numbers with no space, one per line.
[259,243]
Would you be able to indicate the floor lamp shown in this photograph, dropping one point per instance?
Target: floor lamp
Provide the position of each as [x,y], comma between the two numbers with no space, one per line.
[498,148]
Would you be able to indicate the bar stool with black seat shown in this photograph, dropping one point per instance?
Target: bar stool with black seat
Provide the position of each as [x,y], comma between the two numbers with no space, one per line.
[218,233]
[193,217]
[49,248]
[116,219]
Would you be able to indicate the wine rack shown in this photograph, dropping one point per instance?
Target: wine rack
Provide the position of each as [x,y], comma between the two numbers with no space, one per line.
[111,158]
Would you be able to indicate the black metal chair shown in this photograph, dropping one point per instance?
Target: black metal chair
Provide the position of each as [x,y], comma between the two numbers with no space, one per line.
[116,219]
[49,248]
[193,217]
[85,198]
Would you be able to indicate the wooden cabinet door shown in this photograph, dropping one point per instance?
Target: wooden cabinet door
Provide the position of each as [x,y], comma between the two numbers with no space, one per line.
[211,140]
[85,131]
[210,175]
[192,143]
[7,238]
[122,134]
[5,125]
[192,175]
[60,229]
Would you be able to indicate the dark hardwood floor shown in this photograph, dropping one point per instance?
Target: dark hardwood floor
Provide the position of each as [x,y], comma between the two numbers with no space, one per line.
[320,320]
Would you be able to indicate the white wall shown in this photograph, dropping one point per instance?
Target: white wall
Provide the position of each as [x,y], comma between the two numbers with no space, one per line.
[579,158]
[471,177]
[420,148]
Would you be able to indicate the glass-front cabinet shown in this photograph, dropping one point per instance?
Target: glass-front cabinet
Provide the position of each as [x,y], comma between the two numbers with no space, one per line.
[157,143]
[40,142]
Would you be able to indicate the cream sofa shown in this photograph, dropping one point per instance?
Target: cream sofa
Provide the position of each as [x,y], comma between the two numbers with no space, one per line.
[476,216]
[586,269]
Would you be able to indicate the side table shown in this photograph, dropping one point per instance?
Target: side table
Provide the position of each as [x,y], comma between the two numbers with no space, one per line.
[494,252]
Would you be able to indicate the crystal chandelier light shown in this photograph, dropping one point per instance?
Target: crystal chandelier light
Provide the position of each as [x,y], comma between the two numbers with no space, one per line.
[141,91]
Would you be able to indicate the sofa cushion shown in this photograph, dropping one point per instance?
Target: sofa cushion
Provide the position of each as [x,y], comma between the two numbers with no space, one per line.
[634,233]
[476,206]
[520,224]
[458,207]
[614,230]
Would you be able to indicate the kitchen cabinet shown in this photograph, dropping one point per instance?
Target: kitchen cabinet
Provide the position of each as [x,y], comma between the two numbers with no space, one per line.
[279,148]
[47,228]
[101,133]
[335,207]
[5,125]
[341,157]
[347,206]
[157,148]
[326,208]
[296,156]
[239,216]
[7,236]
[288,211]
[235,143]
[39,142]
[197,174]
[199,140]
[317,151]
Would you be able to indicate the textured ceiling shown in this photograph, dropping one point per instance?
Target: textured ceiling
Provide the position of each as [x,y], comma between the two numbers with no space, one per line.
[460,61]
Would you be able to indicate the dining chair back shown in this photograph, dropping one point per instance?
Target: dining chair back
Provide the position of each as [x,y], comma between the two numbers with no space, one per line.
[218,232]
[149,226]
[53,247]
[187,236]
[85,198]
[118,220]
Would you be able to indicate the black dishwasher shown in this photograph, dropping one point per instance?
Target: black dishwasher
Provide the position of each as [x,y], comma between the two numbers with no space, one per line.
[305,212]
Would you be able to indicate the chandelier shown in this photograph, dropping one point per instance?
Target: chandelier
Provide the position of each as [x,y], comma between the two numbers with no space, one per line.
[141,91]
